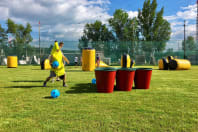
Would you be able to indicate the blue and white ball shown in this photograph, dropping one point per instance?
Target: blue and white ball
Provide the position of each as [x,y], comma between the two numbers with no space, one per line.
[55,93]
[55,64]
[93,81]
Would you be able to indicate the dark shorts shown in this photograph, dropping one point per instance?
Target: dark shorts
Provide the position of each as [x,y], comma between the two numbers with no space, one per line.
[53,74]
[62,77]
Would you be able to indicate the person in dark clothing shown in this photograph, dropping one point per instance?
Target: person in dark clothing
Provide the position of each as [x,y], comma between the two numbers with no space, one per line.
[97,60]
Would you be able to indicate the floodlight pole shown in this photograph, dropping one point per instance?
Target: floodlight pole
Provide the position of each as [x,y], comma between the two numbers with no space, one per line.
[26,49]
[39,43]
[184,39]
[197,24]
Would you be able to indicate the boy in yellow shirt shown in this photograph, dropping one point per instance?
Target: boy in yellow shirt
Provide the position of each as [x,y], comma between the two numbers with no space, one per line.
[57,55]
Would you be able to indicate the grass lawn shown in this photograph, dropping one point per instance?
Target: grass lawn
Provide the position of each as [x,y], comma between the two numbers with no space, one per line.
[171,103]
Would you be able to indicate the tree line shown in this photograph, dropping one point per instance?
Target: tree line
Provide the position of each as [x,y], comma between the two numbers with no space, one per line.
[19,43]
[147,32]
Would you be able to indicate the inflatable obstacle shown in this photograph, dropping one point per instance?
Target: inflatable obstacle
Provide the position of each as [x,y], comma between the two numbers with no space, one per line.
[88,59]
[126,62]
[163,64]
[174,64]
[45,64]
[102,64]
[179,64]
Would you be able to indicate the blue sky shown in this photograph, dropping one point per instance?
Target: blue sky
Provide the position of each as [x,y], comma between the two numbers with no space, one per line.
[171,6]
[65,19]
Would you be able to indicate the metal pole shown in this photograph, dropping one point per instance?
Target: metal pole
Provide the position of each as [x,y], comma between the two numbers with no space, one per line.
[184,39]
[197,24]
[25,49]
[39,43]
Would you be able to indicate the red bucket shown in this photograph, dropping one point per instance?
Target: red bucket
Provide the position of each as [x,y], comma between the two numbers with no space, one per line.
[124,79]
[143,78]
[105,78]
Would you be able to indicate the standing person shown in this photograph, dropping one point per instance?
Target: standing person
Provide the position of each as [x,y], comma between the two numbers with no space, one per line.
[97,60]
[56,55]
[61,44]
[76,60]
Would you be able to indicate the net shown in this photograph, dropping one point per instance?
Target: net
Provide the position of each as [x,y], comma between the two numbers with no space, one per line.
[143,52]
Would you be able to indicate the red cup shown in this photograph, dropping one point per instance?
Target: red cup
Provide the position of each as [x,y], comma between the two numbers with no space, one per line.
[143,78]
[124,79]
[105,78]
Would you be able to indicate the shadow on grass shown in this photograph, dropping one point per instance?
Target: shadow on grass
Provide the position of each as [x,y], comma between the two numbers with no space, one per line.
[82,88]
[134,88]
[48,97]
[23,87]
[28,81]
[74,70]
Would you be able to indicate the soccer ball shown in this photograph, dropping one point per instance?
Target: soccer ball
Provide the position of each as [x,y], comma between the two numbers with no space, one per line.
[55,93]
[93,81]
[55,64]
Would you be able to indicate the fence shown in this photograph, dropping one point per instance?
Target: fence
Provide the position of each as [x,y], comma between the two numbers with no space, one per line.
[110,52]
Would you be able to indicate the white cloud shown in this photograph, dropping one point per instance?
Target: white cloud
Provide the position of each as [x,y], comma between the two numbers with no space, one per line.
[170,18]
[132,14]
[4,13]
[189,14]
[59,18]
[178,31]
[65,19]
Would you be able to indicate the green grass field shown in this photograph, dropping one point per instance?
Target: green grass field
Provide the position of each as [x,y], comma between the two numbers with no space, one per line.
[171,103]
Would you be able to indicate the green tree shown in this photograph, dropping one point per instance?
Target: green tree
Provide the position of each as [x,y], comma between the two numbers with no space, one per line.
[96,33]
[22,37]
[190,43]
[154,28]
[126,30]
[124,27]
[50,49]
[3,41]
[3,35]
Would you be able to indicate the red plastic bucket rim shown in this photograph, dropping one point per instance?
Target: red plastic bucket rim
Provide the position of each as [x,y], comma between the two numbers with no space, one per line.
[126,69]
[105,69]
[146,69]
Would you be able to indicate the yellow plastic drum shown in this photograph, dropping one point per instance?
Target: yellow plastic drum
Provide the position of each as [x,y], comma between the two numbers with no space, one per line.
[160,64]
[88,59]
[12,61]
[125,61]
[179,64]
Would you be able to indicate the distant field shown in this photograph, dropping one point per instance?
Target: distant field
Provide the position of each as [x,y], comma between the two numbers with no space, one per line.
[171,103]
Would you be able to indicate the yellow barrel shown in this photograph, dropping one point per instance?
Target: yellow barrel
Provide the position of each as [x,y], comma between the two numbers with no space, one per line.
[88,59]
[12,61]
[125,61]
[179,64]
[163,64]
